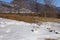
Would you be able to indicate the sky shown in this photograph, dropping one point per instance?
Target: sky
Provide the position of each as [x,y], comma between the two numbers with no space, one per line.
[56,2]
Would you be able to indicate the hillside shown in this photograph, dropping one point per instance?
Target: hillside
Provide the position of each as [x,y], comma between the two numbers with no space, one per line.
[28,9]
[58,8]
[29,6]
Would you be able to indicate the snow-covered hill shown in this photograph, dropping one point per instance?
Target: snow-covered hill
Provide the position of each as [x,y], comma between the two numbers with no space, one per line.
[19,30]
[20,6]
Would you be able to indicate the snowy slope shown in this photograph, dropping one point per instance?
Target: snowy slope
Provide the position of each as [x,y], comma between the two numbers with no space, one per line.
[19,30]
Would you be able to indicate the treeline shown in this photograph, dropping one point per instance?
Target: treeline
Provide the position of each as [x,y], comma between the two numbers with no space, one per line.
[43,14]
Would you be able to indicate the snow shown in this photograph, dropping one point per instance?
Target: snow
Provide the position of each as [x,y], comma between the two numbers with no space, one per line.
[19,30]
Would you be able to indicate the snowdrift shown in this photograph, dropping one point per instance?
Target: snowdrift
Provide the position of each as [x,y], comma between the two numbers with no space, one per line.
[19,30]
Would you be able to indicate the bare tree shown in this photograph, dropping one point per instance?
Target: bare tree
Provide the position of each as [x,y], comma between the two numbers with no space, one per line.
[48,2]
[49,8]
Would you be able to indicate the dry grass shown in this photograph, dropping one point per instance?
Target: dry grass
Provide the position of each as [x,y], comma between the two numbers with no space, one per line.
[27,18]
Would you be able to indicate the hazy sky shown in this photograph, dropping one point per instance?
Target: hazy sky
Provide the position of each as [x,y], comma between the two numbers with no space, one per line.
[56,2]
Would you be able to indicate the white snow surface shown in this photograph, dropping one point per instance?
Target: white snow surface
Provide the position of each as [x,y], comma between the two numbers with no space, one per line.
[19,30]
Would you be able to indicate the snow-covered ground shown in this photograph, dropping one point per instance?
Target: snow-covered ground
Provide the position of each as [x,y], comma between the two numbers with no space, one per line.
[19,30]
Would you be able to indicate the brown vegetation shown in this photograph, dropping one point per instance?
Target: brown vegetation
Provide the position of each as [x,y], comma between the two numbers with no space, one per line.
[27,18]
